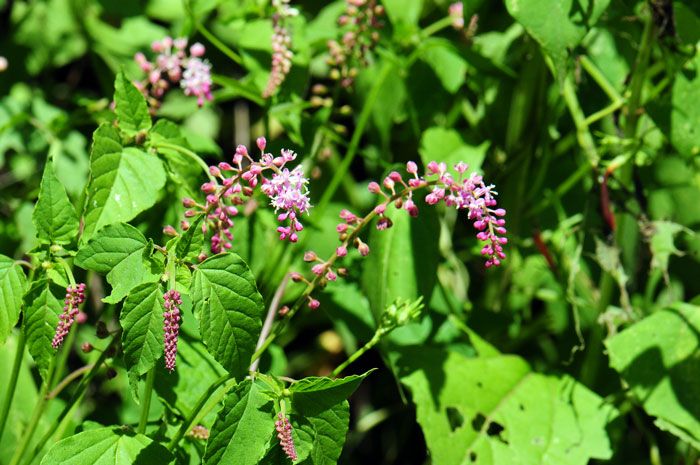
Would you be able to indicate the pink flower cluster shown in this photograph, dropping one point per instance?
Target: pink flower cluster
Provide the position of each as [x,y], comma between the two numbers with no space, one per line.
[199,432]
[75,295]
[171,326]
[173,65]
[456,12]
[281,43]
[361,36]
[286,189]
[284,434]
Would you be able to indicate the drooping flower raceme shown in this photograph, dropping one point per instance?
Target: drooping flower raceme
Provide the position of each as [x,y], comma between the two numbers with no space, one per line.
[359,38]
[286,189]
[75,295]
[465,192]
[174,65]
[284,434]
[171,326]
[281,46]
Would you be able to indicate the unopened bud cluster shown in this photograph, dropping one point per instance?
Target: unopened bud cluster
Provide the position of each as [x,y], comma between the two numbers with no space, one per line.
[360,37]
[284,434]
[75,295]
[171,326]
[281,46]
[286,190]
[199,432]
[174,65]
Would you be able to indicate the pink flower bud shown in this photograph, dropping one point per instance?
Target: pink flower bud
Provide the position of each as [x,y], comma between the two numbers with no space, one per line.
[310,256]
[395,176]
[318,268]
[209,188]
[197,49]
[261,142]
[341,251]
[363,249]
[411,167]
[156,46]
[380,209]
[374,188]
[169,231]
[188,203]
[313,303]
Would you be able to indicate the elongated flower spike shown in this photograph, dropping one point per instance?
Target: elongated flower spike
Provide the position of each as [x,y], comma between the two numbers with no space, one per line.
[171,326]
[281,46]
[284,434]
[75,295]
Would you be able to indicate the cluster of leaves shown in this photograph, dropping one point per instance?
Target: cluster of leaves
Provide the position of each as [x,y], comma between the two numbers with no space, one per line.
[582,346]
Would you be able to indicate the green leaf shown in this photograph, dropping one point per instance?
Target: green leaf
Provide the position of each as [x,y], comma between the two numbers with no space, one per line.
[43,304]
[54,216]
[180,166]
[657,358]
[107,446]
[230,307]
[319,433]
[142,339]
[496,410]
[557,25]
[402,264]
[243,428]
[195,371]
[446,63]
[12,284]
[130,106]
[190,243]
[123,182]
[662,244]
[440,144]
[118,250]
[403,11]
[685,110]
[326,391]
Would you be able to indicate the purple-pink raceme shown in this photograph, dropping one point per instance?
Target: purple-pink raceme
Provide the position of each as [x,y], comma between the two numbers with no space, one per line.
[284,434]
[75,295]
[287,190]
[199,432]
[281,44]
[171,326]
[174,65]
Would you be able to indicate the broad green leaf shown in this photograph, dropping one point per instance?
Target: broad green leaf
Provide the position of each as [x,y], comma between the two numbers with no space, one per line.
[195,371]
[402,264]
[123,182]
[180,166]
[446,145]
[54,216]
[142,339]
[685,110]
[496,410]
[319,434]
[446,63]
[107,446]
[243,428]
[326,391]
[43,304]
[118,250]
[230,307]
[557,25]
[657,358]
[130,106]
[403,11]
[12,284]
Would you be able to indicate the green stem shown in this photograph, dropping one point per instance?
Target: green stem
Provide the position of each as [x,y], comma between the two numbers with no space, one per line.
[189,421]
[28,433]
[19,354]
[583,135]
[437,26]
[77,395]
[146,400]
[67,269]
[355,140]
[359,352]
[218,44]
[190,154]
[638,78]
[600,79]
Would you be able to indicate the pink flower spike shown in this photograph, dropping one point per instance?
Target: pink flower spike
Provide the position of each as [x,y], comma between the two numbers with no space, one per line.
[74,297]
